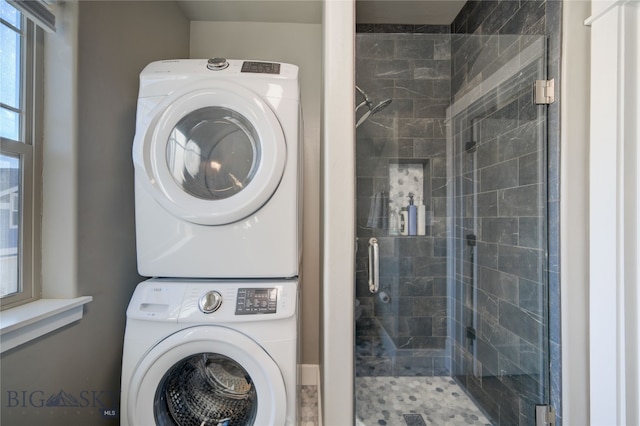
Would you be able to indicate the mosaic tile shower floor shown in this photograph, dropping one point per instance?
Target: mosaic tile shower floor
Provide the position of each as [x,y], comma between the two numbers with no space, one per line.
[414,401]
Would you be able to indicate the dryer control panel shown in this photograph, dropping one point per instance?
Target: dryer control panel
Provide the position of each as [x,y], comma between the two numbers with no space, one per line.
[260,67]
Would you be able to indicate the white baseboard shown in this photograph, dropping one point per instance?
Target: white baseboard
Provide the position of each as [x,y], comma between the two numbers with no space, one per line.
[309,374]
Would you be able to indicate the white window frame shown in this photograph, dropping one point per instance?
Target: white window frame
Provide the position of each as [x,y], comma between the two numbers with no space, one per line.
[60,305]
[14,207]
[29,150]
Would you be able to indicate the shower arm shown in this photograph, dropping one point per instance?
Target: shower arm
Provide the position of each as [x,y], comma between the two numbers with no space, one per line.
[366,100]
[361,104]
[363,118]
[364,95]
[366,114]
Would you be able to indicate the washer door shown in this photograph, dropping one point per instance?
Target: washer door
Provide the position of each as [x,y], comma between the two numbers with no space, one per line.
[212,154]
[207,375]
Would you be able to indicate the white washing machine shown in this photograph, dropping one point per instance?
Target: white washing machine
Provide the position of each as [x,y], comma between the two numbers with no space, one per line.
[217,169]
[210,353]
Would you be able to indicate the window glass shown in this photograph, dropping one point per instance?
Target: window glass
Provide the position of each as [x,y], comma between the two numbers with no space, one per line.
[20,53]
[10,14]
[213,153]
[9,124]
[10,69]
[9,223]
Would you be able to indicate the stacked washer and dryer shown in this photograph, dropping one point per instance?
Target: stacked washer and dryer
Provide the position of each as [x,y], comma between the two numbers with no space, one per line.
[211,339]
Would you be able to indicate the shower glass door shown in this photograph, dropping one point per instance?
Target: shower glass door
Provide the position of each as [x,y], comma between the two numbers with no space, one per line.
[451,274]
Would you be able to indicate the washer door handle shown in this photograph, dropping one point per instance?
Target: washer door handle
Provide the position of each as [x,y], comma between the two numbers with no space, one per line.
[210,302]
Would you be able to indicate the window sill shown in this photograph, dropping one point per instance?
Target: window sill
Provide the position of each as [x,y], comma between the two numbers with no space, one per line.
[32,320]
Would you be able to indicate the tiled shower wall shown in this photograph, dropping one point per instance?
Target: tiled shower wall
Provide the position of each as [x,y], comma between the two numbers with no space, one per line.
[406,333]
[499,322]
[500,18]
[400,255]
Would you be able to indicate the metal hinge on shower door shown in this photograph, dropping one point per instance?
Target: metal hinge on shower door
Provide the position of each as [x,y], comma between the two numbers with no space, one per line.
[545,415]
[544,92]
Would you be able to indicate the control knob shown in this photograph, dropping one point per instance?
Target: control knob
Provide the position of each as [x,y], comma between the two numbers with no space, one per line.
[210,302]
[217,64]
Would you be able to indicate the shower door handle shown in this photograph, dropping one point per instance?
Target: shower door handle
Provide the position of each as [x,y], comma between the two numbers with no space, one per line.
[374,265]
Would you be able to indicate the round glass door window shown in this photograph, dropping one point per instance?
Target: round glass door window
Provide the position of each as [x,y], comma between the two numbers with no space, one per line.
[213,153]
[207,389]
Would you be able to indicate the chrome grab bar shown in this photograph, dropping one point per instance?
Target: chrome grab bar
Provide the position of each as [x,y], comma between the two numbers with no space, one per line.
[374,265]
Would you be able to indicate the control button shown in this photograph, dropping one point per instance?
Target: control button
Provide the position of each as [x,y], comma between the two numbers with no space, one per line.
[217,64]
[210,302]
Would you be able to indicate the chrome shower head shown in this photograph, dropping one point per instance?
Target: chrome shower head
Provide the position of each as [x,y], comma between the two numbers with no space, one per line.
[371,108]
[382,105]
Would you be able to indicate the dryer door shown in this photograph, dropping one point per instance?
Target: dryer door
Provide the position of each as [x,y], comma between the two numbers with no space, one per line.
[212,154]
[207,375]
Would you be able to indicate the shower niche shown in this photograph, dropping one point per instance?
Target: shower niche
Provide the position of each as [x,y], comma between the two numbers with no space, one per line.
[410,180]
[406,181]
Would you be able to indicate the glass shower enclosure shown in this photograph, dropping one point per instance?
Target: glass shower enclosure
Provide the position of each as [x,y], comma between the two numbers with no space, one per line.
[451,268]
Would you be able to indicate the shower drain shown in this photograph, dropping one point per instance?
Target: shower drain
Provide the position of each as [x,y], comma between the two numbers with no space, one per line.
[414,420]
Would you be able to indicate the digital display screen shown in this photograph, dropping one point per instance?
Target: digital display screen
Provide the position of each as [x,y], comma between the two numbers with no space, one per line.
[256,301]
[261,67]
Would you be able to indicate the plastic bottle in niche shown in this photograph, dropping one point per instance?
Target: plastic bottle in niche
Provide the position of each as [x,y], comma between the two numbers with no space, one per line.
[404,218]
[412,219]
[394,229]
[421,219]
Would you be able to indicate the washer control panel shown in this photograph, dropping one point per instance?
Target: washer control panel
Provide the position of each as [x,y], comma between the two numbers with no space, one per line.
[213,301]
[257,301]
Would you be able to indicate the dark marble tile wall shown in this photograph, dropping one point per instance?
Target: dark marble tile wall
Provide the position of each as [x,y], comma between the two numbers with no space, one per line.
[408,334]
[500,200]
[488,17]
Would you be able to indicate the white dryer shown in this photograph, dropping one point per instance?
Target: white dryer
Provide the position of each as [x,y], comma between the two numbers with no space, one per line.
[210,353]
[217,169]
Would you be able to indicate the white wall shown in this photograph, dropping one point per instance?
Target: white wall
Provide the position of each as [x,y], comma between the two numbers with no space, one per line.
[60,170]
[338,221]
[299,44]
[614,229]
[574,212]
[91,193]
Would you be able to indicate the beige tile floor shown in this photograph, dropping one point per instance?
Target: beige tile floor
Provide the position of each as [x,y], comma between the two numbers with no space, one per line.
[309,406]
